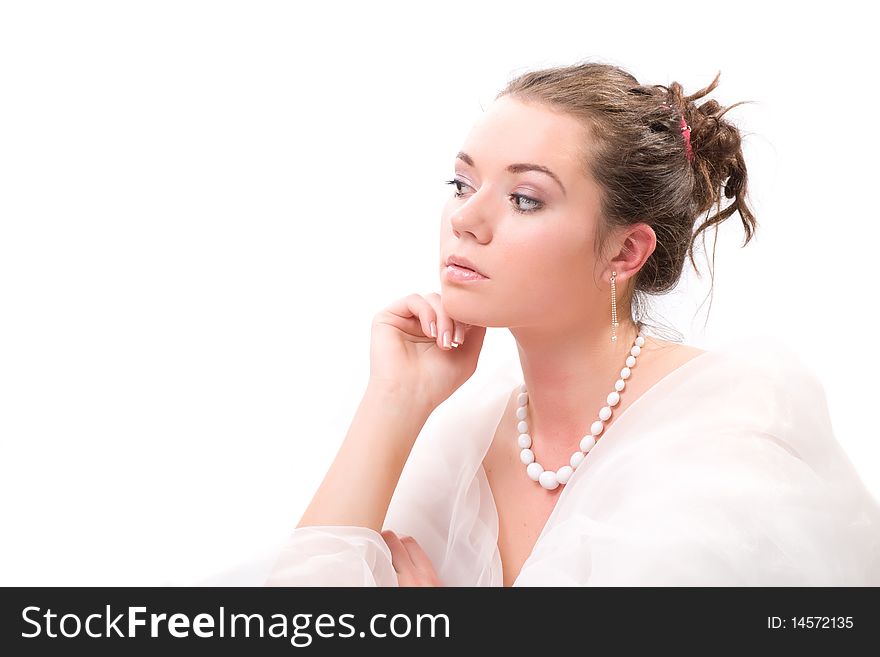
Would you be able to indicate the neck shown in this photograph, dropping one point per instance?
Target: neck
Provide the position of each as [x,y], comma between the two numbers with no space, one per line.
[569,374]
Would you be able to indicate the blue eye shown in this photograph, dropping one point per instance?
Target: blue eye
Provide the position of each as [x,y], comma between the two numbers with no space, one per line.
[514,197]
[520,197]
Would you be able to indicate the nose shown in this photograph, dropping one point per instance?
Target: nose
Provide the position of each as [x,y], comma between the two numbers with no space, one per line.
[461,226]
[471,217]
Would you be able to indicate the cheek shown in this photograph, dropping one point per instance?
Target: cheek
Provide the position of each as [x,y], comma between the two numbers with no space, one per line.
[553,267]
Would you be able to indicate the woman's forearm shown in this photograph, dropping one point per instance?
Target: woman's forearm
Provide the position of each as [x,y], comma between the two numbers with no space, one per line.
[357,488]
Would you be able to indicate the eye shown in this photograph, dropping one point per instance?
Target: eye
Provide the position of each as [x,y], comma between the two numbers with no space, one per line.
[457,183]
[519,197]
[516,198]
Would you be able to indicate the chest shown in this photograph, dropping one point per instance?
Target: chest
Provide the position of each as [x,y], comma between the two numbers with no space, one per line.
[523,505]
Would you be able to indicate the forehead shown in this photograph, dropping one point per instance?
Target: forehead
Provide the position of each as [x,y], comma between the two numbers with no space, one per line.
[511,130]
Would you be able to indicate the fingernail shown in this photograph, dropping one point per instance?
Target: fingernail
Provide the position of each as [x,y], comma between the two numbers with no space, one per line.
[446,339]
[459,335]
[433,329]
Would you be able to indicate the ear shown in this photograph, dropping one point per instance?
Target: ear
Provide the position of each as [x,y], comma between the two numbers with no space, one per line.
[634,246]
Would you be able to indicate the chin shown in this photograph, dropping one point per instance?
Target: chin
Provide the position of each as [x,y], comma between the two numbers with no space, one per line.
[475,309]
[466,306]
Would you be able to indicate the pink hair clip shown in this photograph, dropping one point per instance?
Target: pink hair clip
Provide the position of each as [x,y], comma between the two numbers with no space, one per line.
[686,133]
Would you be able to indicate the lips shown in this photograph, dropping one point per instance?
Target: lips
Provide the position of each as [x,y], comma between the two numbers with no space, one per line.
[464,263]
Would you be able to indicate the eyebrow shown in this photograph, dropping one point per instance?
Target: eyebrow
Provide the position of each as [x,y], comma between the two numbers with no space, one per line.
[517,168]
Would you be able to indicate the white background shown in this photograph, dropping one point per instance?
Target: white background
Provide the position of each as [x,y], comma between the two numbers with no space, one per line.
[202,205]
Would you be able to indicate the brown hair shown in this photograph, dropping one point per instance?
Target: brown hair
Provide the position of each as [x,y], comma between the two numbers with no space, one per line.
[635,150]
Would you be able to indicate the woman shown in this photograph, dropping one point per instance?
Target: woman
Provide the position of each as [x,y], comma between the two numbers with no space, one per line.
[612,457]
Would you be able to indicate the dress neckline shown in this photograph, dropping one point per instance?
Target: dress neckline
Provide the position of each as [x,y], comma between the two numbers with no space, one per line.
[481,470]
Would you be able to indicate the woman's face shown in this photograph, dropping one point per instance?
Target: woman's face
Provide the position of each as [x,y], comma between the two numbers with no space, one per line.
[531,235]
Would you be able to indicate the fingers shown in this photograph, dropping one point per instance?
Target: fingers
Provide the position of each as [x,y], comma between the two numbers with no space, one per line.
[450,333]
[411,563]
[424,315]
[415,315]
[400,558]
[419,557]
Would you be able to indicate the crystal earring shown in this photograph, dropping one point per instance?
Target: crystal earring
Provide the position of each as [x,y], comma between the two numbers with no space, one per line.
[613,307]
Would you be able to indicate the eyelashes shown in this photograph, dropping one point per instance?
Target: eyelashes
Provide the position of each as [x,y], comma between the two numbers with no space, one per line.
[514,197]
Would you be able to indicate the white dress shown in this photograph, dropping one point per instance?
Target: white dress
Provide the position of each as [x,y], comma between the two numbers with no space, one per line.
[726,472]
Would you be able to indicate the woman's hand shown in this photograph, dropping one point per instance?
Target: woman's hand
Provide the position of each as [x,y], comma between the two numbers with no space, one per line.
[412,565]
[412,349]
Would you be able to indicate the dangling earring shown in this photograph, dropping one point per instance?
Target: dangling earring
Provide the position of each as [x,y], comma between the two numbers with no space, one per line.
[613,307]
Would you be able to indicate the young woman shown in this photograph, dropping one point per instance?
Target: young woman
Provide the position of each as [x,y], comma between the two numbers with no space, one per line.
[611,457]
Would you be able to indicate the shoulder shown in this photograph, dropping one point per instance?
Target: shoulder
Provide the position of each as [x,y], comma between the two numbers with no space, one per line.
[757,390]
[754,385]
[771,364]
[667,348]
[766,359]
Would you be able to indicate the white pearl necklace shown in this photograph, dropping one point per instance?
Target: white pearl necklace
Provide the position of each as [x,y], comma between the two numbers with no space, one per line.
[550,479]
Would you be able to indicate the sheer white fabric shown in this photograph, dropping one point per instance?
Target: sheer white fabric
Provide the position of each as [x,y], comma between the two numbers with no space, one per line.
[726,472]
